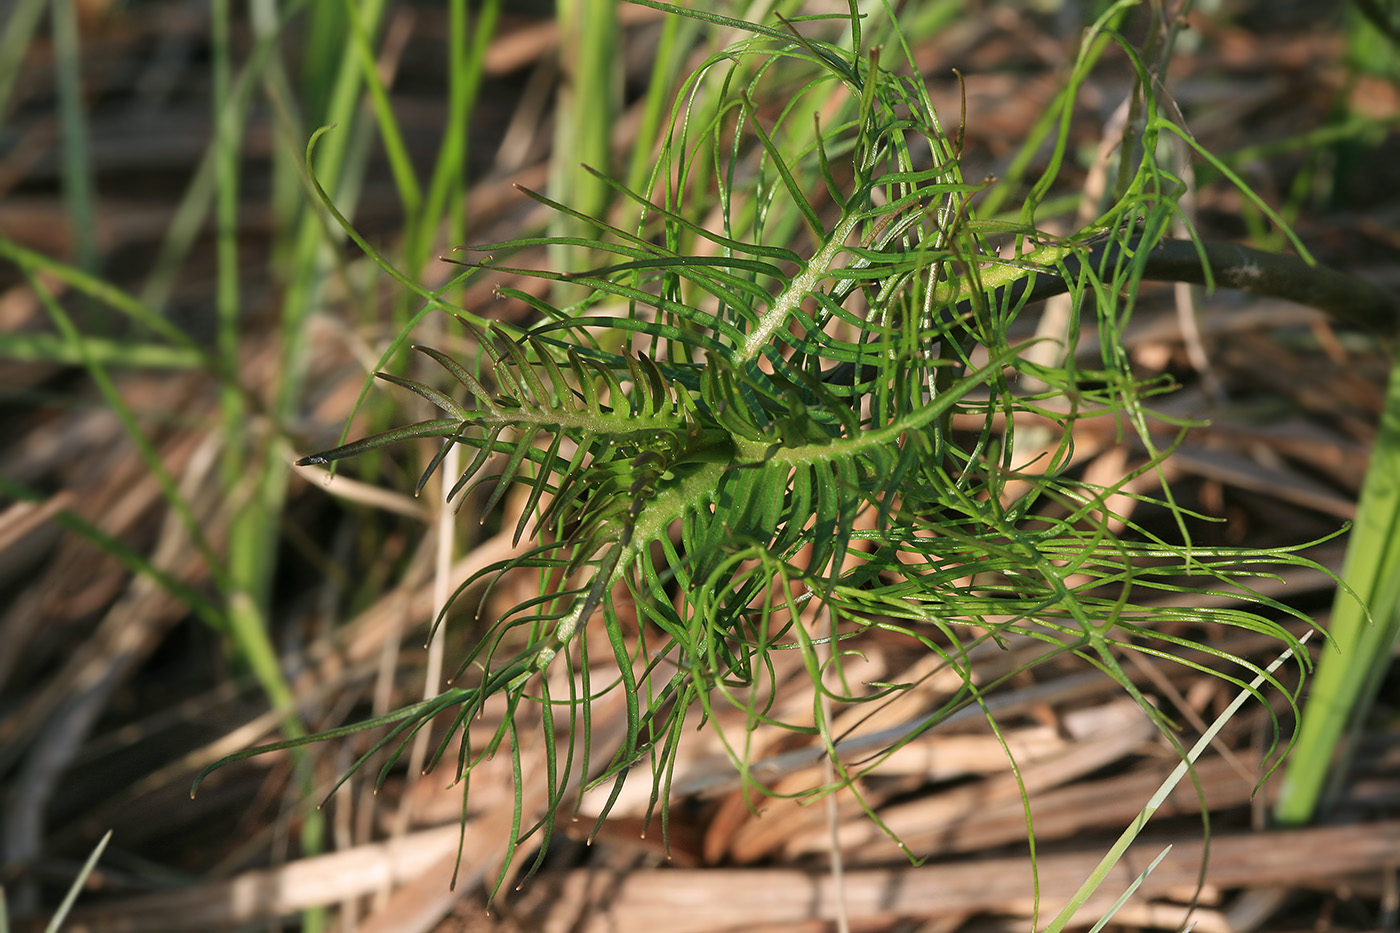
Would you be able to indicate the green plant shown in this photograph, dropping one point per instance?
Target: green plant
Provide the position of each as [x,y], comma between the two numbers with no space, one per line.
[784,416]
[70,898]
[1365,620]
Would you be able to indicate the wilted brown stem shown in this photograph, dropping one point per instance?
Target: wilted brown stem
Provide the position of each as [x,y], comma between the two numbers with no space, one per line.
[1345,297]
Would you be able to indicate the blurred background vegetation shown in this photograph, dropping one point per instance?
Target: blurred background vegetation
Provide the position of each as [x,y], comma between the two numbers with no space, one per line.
[179,321]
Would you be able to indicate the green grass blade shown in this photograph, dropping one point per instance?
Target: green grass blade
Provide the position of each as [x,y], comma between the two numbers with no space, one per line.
[444,199]
[585,108]
[325,50]
[20,28]
[52,348]
[1116,852]
[394,148]
[1364,627]
[79,183]
[104,292]
[71,897]
[187,222]
[251,548]
[227,148]
[1131,889]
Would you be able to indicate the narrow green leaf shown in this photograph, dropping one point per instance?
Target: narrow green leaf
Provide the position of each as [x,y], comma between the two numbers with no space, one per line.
[436,427]
[439,399]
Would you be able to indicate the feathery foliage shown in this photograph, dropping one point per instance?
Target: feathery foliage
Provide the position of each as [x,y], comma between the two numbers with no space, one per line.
[786,414]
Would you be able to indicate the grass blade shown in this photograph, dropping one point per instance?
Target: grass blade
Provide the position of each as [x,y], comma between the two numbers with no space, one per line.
[1364,627]
[72,896]
[1114,854]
